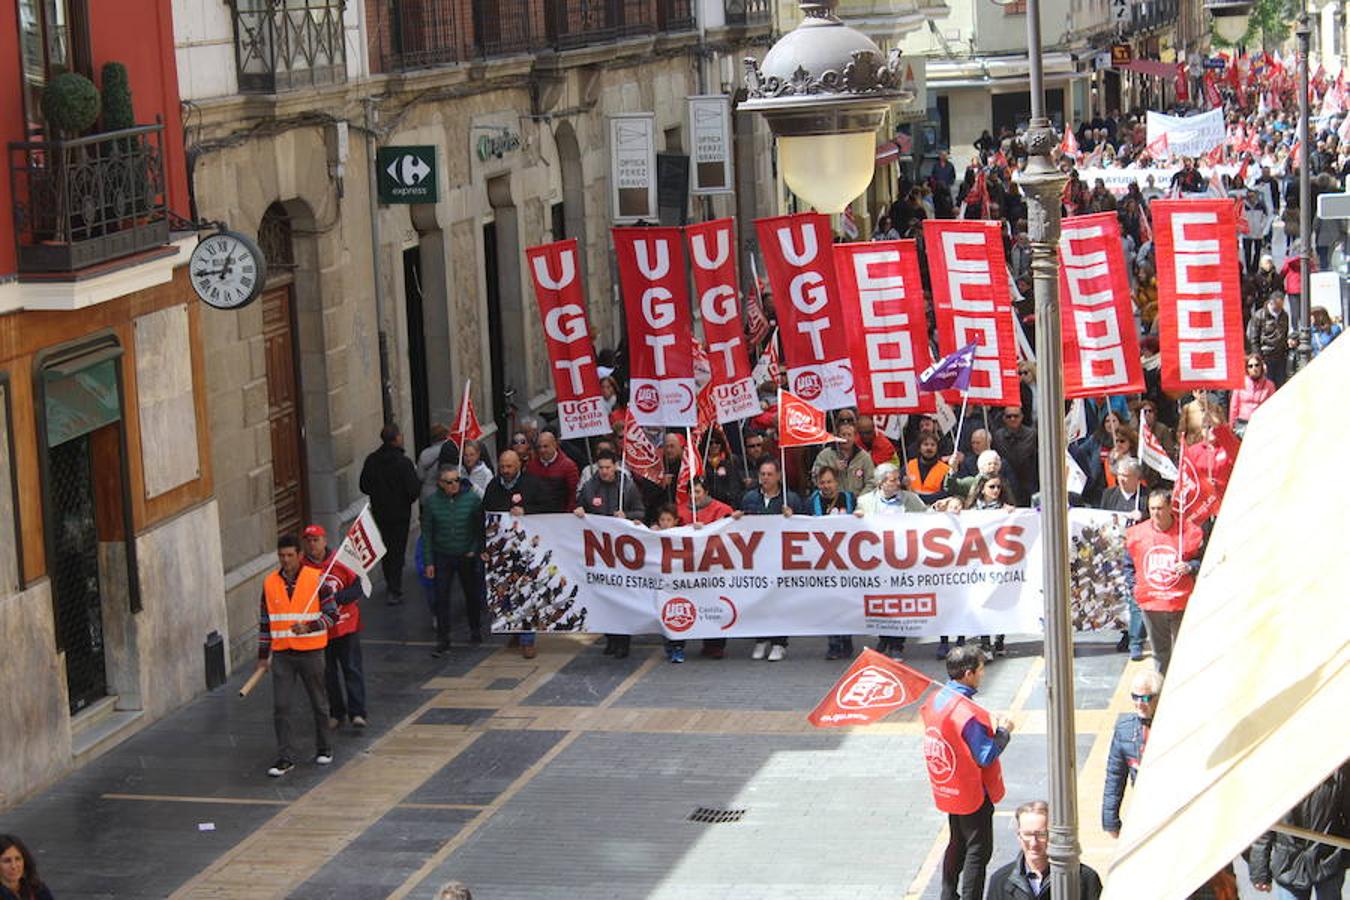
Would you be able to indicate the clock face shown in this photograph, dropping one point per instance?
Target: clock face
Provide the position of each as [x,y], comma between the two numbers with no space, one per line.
[227,270]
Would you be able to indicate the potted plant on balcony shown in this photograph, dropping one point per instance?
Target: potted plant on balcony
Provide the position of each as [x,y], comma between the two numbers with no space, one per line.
[70,107]
[128,195]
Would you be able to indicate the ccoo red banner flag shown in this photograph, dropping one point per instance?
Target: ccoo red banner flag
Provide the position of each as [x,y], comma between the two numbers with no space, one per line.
[656,300]
[712,253]
[882,299]
[871,689]
[972,305]
[562,306]
[800,263]
[1199,295]
[1101,341]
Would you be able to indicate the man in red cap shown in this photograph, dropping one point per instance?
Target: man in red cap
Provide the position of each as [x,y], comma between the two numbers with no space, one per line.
[342,656]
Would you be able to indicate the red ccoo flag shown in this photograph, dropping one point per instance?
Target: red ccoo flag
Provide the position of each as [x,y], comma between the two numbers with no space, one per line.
[466,427]
[799,423]
[872,688]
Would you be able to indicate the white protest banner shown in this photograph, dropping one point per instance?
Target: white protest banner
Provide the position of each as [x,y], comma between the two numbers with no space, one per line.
[913,574]
[362,548]
[1189,135]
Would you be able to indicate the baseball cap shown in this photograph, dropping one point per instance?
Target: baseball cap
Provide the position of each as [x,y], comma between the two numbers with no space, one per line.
[314,531]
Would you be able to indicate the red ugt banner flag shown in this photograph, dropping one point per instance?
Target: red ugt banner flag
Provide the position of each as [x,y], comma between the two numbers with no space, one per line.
[1199,296]
[800,262]
[882,297]
[799,423]
[872,688]
[562,305]
[1101,342]
[466,426]
[656,300]
[972,305]
[712,250]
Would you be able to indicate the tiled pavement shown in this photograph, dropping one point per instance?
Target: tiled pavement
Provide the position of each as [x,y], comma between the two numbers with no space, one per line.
[570,776]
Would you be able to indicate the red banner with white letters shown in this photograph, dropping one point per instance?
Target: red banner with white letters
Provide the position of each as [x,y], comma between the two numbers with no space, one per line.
[800,263]
[971,302]
[562,306]
[1101,341]
[712,255]
[1199,294]
[656,301]
[882,297]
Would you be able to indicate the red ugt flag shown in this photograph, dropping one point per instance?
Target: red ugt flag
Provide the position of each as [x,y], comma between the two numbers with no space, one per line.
[799,423]
[466,426]
[872,688]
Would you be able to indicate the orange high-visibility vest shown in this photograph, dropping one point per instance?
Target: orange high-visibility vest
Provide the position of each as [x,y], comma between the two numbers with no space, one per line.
[301,605]
[930,485]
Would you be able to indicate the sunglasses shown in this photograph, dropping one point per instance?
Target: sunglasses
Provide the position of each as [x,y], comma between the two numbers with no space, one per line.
[1142,698]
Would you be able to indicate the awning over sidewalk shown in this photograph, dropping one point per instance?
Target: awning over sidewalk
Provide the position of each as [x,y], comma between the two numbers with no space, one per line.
[1151,67]
[1253,714]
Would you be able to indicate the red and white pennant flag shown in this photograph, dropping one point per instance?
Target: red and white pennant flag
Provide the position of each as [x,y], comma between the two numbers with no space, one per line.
[871,689]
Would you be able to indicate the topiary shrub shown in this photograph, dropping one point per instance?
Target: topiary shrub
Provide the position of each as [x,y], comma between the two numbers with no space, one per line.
[117,108]
[70,104]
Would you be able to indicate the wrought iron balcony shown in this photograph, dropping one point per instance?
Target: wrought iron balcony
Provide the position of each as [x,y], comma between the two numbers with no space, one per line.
[748,12]
[675,15]
[280,45]
[414,34]
[503,27]
[577,23]
[86,201]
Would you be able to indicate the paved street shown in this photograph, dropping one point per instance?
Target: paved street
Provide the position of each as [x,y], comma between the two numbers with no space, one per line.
[570,775]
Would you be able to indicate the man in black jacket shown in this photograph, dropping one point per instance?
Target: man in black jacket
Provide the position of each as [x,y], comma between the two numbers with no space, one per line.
[390,480]
[1307,869]
[1028,876]
[514,491]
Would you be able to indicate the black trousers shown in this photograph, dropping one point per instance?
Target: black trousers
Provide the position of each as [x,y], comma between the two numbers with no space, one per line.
[469,571]
[294,670]
[395,535]
[968,853]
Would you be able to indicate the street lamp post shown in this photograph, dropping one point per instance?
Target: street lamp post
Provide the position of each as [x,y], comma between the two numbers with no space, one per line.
[1043,184]
[1305,225]
[819,89]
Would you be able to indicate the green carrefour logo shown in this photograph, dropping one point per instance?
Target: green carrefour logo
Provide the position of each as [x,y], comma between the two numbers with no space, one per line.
[406,174]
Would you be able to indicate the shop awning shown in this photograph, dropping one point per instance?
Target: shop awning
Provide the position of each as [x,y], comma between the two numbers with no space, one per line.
[1253,714]
[1151,67]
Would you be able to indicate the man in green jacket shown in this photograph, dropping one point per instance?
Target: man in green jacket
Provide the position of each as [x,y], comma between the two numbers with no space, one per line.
[452,527]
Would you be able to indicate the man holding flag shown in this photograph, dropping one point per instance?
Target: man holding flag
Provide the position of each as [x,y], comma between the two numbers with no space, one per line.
[342,656]
[294,615]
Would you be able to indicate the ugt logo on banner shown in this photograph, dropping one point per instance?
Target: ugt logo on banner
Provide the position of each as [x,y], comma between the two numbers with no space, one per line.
[656,300]
[798,256]
[562,306]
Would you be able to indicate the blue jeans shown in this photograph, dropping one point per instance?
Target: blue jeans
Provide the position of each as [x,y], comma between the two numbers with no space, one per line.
[1323,890]
[468,570]
[1137,631]
[343,669]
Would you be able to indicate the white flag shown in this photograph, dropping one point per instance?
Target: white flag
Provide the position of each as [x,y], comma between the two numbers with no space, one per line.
[890,425]
[946,419]
[1075,423]
[1152,454]
[1077,478]
[362,548]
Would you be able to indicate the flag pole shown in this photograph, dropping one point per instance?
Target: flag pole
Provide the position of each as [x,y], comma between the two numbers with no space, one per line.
[333,561]
[956,439]
[464,413]
[689,442]
[1181,509]
[745,457]
[782,452]
[620,490]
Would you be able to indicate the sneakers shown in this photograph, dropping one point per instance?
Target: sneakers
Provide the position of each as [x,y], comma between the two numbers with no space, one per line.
[1123,645]
[441,650]
[323,758]
[359,721]
[282,766]
[943,648]
[677,656]
[529,652]
[761,648]
[999,649]
[833,653]
[777,652]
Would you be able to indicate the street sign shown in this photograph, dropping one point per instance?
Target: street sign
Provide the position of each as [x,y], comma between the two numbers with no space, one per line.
[406,174]
[1121,55]
[1215,62]
[1333,206]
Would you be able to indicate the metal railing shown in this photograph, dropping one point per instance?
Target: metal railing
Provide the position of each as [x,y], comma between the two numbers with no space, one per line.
[502,27]
[577,23]
[675,15]
[747,12]
[414,34]
[280,45]
[82,202]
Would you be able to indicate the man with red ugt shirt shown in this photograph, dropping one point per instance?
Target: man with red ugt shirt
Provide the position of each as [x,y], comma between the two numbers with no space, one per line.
[1165,555]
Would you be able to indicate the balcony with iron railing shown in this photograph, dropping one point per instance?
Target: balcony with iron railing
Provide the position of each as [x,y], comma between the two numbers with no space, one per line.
[86,201]
[281,45]
[748,12]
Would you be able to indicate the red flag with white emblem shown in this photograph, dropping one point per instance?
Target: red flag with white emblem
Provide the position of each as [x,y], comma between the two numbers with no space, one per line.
[872,688]
[799,423]
[466,426]
[641,457]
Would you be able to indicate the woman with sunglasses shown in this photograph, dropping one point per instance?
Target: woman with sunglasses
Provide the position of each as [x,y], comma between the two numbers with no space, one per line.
[1256,389]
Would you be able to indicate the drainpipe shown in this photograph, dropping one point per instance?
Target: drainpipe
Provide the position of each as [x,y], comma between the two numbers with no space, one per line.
[376,269]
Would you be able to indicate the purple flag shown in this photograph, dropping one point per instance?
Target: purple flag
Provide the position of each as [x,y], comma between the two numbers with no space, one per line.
[952,371]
